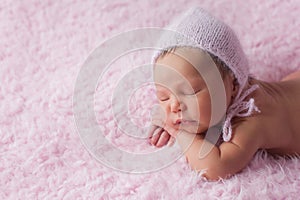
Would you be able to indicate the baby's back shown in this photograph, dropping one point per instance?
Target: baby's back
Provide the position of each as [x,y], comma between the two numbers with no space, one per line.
[291,89]
[278,121]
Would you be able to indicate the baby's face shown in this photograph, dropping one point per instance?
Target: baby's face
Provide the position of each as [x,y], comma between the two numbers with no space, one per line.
[183,94]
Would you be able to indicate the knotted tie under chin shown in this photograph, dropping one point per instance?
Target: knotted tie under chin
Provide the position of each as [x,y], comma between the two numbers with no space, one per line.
[239,108]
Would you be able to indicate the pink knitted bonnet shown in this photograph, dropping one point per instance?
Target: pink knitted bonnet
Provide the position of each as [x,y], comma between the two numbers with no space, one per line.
[197,28]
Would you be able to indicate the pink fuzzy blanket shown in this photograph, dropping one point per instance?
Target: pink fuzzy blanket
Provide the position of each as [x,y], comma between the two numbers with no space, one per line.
[43,45]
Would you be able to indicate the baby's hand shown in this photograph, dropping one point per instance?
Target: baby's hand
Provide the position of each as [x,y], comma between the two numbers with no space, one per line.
[159,134]
[159,137]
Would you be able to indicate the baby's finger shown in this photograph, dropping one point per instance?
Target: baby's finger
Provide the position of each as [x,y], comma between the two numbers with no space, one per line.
[156,135]
[171,141]
[151,130]
[163,139]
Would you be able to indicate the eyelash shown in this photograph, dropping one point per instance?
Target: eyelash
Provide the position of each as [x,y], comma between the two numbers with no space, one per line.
[165,99]
[195,92]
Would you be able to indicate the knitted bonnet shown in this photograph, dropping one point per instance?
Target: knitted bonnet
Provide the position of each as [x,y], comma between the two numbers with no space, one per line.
[197,28]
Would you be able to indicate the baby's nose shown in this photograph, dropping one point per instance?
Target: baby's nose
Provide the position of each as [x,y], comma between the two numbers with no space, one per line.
[175,105]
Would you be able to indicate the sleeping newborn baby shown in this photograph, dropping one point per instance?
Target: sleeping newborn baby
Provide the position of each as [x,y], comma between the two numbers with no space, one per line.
[256,115]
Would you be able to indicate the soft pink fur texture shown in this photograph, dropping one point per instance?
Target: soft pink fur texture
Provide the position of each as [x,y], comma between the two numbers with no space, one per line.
[43,45]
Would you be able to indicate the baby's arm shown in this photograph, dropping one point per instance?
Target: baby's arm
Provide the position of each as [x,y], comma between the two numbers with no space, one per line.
[220,162]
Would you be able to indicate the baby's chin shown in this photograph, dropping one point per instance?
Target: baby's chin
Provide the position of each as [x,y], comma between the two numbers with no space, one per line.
[194,129]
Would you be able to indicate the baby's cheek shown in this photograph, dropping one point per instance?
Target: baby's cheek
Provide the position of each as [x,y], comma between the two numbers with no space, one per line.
[169,122]
[193,106]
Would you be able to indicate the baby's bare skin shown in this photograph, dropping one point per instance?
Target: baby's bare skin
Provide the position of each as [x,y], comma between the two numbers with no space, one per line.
[278,123]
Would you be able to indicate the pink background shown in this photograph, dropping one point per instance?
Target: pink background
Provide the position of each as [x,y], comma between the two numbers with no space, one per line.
[43,45]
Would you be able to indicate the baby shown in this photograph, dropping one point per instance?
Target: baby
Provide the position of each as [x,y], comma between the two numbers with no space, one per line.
[219,128]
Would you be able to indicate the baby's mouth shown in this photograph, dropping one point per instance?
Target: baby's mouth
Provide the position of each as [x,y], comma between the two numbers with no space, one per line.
[185,122]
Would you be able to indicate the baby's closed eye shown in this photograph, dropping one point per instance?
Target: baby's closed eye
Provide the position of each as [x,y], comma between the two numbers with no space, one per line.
[162,96]
[191,92]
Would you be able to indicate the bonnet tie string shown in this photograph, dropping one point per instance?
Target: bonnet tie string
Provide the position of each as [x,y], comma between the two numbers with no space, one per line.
[239,108]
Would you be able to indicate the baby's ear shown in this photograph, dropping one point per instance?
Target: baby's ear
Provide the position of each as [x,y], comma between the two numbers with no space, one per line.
[235,84]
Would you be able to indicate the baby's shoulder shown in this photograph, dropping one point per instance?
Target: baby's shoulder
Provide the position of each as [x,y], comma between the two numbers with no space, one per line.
[248,132]
[263,131]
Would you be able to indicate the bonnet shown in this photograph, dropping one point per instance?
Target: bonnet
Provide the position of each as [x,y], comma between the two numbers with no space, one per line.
[197,28]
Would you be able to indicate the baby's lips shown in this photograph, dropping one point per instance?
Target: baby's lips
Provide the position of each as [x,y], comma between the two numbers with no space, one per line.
[178,121]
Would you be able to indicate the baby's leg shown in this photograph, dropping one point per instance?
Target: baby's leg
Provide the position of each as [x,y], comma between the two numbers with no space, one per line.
[294,75]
